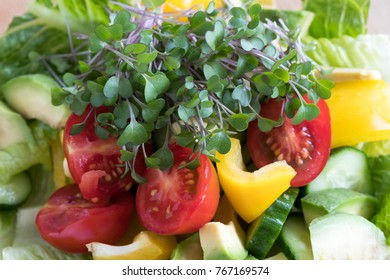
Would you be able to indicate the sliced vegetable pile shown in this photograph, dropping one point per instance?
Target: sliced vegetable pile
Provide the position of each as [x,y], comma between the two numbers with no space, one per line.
[153,131]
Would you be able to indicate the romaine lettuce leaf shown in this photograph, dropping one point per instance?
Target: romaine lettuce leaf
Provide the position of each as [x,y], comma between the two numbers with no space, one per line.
[43,31]
[370,51]
[375,148]
[80,15]
[21,156]
[382,218]
[380,167]
[7,228]
[335,18]
[24,43]
[28,243]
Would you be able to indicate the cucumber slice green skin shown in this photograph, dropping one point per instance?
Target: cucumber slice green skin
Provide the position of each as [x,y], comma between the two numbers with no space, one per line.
[294,239]
[326,201]
[341,236]
[15,191]
[348,168]
[263,232]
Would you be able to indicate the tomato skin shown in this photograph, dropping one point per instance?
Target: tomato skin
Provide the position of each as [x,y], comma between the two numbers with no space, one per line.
[95,164]
[69,222]
[172,203]
[308,141]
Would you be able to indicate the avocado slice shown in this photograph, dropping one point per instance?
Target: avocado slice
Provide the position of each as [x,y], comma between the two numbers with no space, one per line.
[188,249]
[13,128]
[338,200]
[221,242]
[30,95]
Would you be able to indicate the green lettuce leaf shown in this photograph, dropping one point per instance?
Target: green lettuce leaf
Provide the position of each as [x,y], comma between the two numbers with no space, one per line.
[370,51]
[20,157]
[382,218]
[380,167]
[335,18]
[28,243]
[43,31]
[81,16]
[375,148]
[7,228]
[24,43]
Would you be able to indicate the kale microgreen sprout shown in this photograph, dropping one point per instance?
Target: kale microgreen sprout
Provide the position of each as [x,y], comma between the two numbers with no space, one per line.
[207,74]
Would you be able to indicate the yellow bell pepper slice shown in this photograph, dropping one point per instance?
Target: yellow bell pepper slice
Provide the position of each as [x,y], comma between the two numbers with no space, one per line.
[251,193]
[359,112]
[147,245]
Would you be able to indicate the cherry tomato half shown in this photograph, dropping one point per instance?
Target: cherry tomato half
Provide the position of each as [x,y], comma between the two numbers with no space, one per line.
[69,222]
[305,146]
[179,200]
[95,164]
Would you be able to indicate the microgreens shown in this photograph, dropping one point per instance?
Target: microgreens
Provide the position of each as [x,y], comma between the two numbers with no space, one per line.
[206,75]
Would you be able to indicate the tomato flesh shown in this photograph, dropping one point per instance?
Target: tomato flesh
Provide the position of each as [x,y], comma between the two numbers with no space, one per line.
[69,222]
[179,200]
[305,146]
[95,164]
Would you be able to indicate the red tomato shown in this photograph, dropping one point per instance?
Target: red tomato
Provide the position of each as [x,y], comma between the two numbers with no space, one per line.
[69,222]
[95,164]
[305,147]
[179,200]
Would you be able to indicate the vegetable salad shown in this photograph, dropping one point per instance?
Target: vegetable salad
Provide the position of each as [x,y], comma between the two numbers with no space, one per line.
[217,130]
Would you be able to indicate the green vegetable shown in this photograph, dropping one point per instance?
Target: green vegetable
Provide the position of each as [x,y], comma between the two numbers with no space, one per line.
[214,70]
[382,218]
[7,228]
[338,200]
[294,239]
[29,245]
[38,41]
[13,128]
[296,21]
[221,242]
[21,156]
[348,168]
[376,148]
[16,191]
[369,51]
[335,18]
[381,173]
[188,249]
[30,95]
[341,236]
[263,232]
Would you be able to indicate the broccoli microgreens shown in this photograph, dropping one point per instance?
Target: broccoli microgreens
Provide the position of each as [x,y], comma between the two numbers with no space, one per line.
[207,74]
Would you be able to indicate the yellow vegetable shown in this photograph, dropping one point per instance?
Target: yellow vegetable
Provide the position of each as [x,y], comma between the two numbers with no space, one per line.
[251,193]
[359,112]
[58,156]
[226,214]
[147,245]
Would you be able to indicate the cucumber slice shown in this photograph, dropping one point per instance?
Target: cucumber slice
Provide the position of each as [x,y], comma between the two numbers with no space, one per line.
[347,168]
[15,191]
[263,232]
[294,239]
[322,202]
[341,236]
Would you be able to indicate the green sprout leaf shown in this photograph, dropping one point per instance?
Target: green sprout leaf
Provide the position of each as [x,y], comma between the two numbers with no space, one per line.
[220,142]
[134,134]
[155,85]
[215,37]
